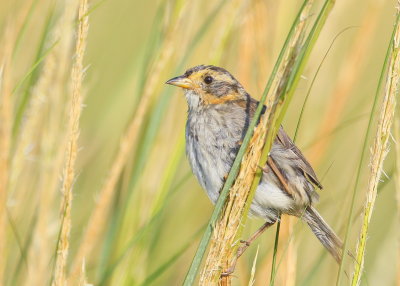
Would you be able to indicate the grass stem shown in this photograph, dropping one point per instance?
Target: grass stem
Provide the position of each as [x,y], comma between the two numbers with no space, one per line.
[380,147]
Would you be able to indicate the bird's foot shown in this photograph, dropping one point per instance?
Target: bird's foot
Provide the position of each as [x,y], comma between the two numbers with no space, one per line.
[230,270]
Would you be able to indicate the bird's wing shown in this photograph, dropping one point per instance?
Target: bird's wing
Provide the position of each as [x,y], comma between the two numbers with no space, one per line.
[305,165]
[285,140]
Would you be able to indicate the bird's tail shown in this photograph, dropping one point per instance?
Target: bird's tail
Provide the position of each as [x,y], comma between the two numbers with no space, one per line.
[324,233]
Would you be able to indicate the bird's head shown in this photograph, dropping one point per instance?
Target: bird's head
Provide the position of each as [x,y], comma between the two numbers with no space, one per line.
[209,85]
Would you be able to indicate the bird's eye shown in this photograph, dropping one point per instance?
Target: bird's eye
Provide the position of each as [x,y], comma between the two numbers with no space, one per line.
[208,79]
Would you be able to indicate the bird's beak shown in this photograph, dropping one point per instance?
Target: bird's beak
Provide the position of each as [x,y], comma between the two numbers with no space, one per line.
[181,81]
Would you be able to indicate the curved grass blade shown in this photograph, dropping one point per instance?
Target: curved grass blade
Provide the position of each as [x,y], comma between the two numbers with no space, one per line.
[23,28]
[23,247]
[144,229]
[167,264]
[314,78]
[33,73]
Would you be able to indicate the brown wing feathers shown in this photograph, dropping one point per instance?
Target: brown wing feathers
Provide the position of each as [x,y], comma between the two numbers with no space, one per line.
[285,140]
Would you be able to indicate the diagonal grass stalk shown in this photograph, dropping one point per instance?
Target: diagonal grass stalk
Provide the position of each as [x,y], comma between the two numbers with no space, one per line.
[163,267]
[33,74]
[313,81]
[139,234]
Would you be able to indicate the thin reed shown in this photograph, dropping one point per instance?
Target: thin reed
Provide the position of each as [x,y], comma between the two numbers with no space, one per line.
[380,146]
[73,130]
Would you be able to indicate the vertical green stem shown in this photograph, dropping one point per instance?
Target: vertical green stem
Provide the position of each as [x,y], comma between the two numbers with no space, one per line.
[273,268]
[380,148]
[361,162]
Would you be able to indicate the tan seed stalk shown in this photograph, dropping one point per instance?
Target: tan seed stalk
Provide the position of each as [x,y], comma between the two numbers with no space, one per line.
[72,146]
[379,151]
[44,129]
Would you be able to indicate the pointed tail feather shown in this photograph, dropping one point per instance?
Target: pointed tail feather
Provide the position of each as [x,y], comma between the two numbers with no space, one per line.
[324,233]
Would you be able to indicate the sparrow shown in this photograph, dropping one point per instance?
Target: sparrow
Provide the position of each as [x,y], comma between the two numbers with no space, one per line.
[219,113]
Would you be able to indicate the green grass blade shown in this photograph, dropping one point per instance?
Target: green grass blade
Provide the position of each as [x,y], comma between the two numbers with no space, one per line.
[313,81]
[33,73]
[23,259]
[143,230]
[273,268]
[94,7]
[167,264]
[30,72]
[137,237]
[341,126]
[21,32]
[379,149]
[159,202]
[145,61]
[311,274]
[361,161]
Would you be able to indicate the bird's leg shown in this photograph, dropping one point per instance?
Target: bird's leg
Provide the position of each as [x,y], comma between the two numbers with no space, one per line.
[246,244]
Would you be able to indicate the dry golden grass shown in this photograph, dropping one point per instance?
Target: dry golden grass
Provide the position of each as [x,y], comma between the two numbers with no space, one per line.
[253,269]
[44,128]
[379,149]
[72,146]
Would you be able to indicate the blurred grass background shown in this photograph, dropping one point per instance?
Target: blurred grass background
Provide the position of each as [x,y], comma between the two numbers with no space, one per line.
[132,135]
